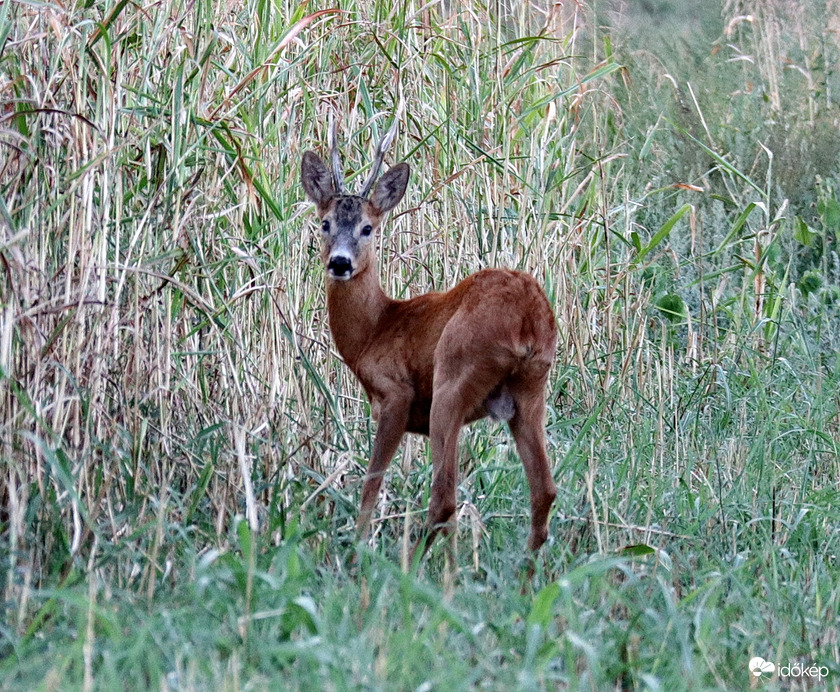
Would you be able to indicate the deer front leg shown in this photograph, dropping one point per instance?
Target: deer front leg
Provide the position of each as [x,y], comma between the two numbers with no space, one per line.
[393,418]
[445,423]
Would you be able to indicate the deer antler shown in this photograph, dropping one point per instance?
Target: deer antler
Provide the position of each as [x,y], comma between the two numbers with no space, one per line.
[383,146]
[337,168]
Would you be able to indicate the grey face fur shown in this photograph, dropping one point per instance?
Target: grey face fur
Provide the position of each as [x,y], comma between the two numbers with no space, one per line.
[347,229]
[348,221]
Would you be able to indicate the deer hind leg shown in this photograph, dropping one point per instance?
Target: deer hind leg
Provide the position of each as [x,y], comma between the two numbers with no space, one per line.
[461,383]
[528,428]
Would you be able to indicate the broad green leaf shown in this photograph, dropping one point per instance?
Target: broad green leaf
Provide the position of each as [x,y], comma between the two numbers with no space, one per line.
[829,210]
[803,232]
[543,603]
[673,307]
[662,233]
[638,550]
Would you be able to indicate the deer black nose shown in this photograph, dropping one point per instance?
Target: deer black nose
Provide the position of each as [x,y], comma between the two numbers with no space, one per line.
[340,266]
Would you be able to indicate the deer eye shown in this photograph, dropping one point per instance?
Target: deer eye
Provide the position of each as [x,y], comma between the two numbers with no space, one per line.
[325,226]
[366,230]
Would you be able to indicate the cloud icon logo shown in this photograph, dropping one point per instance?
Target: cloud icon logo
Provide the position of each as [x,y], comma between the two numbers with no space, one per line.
[759,667]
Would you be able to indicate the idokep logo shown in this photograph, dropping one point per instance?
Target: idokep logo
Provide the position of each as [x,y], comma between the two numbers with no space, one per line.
[763,670]
[760,668]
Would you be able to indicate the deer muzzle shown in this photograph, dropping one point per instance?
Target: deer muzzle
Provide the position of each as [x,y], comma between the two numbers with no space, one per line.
[340,267]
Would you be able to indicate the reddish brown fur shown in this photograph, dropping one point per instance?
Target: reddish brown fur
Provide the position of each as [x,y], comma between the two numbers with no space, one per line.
[435,362]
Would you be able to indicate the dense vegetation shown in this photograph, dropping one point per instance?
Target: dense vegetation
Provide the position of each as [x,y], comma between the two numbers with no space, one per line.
[182,449]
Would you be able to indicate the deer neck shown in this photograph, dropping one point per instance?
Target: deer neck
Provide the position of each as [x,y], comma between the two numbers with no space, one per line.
[355,308]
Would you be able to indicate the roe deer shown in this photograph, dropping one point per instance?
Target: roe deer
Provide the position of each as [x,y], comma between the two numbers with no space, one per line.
[432,363]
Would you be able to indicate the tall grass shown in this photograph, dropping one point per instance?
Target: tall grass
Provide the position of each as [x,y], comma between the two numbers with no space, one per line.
[183,448]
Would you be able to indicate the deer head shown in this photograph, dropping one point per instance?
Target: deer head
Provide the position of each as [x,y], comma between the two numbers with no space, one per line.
[348,221]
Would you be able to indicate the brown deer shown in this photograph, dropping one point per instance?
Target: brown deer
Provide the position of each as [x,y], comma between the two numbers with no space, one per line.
[432,363]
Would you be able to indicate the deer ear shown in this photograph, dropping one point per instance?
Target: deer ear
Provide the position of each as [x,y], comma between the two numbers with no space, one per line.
[390,188]
[316,179]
